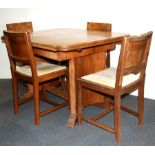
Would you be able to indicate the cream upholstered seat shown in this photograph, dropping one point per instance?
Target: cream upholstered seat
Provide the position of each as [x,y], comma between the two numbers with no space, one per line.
[107,77]
[42,68]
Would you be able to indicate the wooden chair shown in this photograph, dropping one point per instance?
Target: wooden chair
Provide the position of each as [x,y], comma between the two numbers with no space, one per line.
[93,26]
[57,86]
[32,72]
[101,27]
[23,27]
[128,76]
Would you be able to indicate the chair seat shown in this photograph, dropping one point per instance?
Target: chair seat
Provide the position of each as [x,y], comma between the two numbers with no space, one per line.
[107,77]
[42,68]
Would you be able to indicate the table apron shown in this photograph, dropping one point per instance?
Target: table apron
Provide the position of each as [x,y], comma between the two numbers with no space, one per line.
[67,55]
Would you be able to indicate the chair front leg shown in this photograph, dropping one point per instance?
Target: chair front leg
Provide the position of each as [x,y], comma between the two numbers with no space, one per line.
[36,103]
[140,104]
[117,101]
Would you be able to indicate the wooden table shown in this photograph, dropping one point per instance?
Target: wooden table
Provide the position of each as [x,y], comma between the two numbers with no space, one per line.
[85,51]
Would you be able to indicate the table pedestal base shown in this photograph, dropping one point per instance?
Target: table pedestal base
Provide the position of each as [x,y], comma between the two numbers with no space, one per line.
[71,121]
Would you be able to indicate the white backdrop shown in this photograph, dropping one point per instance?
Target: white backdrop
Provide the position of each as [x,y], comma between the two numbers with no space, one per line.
[132,16]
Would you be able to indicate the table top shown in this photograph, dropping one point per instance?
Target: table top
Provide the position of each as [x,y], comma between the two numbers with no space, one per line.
[67,39]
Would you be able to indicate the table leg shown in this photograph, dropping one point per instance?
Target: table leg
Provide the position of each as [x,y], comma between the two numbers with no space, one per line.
[72,93]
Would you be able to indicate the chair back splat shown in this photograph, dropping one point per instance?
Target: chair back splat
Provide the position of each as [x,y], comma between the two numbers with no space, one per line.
[17,42]
[20,27]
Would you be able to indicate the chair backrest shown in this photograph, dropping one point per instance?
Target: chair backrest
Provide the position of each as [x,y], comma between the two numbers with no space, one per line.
[20,27]
[133,56]
[99,26]
[93,26]
[19,49]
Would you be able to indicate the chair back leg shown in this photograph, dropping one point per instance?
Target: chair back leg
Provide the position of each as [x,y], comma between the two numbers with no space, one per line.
[15,93]
[79,116]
